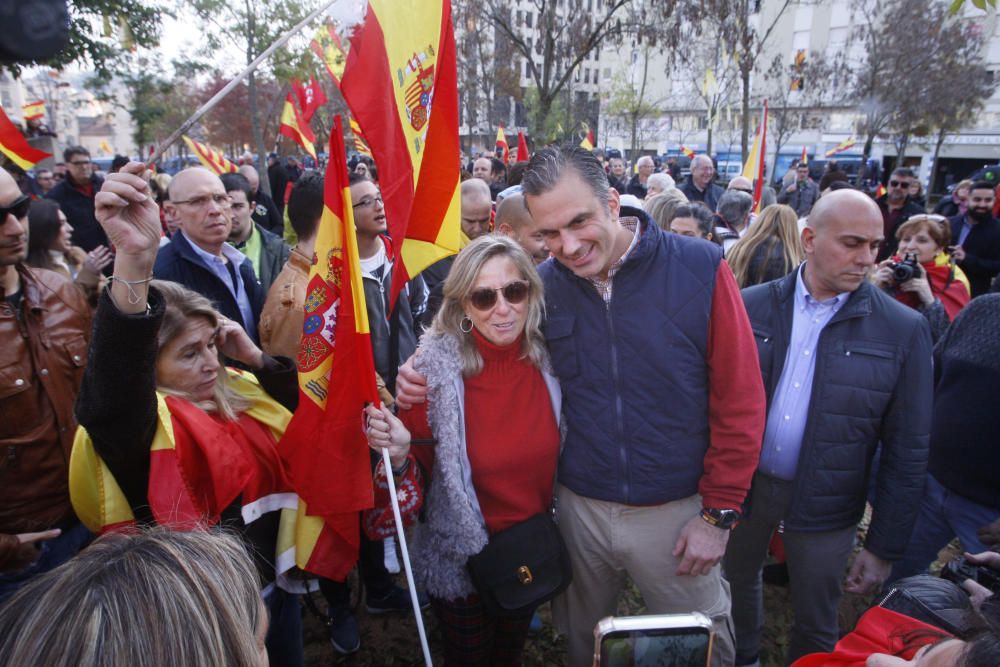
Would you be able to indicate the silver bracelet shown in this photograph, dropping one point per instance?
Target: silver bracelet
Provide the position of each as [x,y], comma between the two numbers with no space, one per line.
[133,296]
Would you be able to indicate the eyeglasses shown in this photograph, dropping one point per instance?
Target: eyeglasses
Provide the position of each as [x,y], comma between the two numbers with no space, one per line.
[80,163]
[368,202]
[17,208]
[899,184]
[485,298]
[224,201]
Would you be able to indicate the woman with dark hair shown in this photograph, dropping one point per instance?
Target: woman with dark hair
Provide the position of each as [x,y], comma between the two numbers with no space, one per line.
[49,247]
[694,220]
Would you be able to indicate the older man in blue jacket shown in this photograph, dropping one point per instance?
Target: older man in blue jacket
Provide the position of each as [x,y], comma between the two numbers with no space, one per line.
[845,367]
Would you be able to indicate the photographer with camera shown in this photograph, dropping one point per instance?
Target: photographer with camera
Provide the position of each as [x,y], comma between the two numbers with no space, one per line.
[916,277]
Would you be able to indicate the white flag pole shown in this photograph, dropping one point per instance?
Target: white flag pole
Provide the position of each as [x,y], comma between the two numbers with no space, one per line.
[406,557]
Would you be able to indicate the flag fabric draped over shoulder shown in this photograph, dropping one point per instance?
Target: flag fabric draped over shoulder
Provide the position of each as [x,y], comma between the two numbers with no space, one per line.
[16,147]
[324,446]
[295,127]
[400,83]
[212,159]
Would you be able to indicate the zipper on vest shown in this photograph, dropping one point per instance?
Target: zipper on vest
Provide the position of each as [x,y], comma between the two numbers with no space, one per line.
[619,407]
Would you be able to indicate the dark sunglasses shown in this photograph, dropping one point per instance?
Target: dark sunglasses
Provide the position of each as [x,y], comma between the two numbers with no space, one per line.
[17,208]
[898,184]
[485,298]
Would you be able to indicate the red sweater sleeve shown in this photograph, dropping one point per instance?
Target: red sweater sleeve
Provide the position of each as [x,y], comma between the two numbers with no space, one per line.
[415,421]
[737,409]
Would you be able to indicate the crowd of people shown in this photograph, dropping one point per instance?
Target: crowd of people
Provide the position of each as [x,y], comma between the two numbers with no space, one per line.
[690,377]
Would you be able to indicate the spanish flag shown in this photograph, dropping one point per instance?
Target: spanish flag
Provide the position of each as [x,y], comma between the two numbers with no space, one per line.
[16,147]
[400,84]
[588,141]
[845,145]
[324,447]
[33,110]
[328,48]
[688,152]
[360,145]
[880,191]
[755,165]
[296,128]
[804,159]
[212,159]
[502,149]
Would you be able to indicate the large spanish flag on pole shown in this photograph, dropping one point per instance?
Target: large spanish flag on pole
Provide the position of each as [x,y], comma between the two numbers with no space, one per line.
[327,47]
[212,159]
[755,166]
[401,85]
[324,446]
[16,147]
[294,126]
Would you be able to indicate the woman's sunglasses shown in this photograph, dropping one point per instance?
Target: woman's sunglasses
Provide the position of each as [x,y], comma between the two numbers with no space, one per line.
[485,298]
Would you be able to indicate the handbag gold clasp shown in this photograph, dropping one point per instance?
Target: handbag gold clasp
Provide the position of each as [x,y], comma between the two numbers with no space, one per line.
[524,575]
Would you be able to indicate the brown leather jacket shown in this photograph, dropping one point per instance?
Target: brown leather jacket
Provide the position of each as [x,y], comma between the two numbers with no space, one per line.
[43,350]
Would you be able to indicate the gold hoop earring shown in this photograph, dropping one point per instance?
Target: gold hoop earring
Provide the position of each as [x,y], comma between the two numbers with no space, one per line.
[461,325]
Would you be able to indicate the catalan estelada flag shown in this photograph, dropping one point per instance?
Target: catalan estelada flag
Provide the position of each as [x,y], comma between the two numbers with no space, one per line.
[212,159]
[33,110]
[754,167]
[845,145]
[523,153]
[16,147]
[688,152]
[328,48]
[296,128]
[502,149]
[401,85]
[324,447]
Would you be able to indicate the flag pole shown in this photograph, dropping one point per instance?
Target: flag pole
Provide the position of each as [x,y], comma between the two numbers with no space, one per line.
[228,88]
[406,557]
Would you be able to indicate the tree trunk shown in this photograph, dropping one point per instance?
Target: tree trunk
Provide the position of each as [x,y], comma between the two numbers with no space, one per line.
[258,131]
[745,130]
[708,142]
[865,156]
[934,162]
[901,149]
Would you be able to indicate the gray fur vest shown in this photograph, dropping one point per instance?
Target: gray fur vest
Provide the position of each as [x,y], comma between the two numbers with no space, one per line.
[454,529]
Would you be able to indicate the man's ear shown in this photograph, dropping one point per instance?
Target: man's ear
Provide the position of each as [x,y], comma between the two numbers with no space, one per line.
[505,229]
[808,239]
[614,203]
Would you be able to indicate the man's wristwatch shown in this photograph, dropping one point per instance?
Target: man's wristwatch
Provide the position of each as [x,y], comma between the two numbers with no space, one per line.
[725,519]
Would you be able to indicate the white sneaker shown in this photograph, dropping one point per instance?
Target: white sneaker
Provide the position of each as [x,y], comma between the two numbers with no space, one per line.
[391,561]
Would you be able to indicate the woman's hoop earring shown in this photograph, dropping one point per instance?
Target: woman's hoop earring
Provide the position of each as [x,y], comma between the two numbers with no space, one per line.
[461,325]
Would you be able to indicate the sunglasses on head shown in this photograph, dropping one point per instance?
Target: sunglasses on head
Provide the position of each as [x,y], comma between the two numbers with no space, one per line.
[485,298]
[17,208]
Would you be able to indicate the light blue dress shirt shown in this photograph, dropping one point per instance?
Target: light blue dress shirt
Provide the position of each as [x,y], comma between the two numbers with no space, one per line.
[218,267]
[786,420]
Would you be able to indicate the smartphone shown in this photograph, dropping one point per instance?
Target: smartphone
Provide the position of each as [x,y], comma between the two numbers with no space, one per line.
[664,640]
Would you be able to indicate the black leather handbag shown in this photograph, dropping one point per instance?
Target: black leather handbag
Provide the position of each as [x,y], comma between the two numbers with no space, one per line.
[521,567]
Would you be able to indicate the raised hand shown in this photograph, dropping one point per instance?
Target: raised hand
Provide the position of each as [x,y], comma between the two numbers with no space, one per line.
[126,210]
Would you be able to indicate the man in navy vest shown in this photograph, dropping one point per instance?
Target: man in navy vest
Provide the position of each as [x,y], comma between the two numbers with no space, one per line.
[662,397]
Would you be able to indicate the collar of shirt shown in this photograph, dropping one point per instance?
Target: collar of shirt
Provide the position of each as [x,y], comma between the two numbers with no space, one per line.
[604,285]
[228,251]
[806,301]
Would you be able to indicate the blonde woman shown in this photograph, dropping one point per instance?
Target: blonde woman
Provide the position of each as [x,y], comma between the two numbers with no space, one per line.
[770,250]
[493,413]
[141,600]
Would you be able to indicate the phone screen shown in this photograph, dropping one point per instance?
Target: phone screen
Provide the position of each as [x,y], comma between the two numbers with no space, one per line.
[658,647]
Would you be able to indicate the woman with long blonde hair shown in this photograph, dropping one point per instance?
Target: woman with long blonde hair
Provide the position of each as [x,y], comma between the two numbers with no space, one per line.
[771,248]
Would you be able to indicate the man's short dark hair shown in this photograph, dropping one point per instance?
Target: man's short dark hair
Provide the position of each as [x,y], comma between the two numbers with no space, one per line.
[983,185]
[74,150]
[305,204]
[734,206]
[118,162]
[548,165]
[497,166]
[234,182]
[353,178]
[905,172]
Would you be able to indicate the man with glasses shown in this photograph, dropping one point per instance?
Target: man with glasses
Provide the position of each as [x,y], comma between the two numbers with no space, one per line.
[44,181]
[265,250]
[896,207]
[699,186]
[198,256]
[75,196]
[44,327]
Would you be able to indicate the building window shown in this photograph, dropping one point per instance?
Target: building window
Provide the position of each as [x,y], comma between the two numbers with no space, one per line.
[527,19]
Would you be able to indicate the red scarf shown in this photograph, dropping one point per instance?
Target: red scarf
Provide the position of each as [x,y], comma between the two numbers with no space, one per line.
[944,286]
[878,631]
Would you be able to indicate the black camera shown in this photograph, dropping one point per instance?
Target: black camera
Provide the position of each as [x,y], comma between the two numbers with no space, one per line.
[905,270]
[960,569]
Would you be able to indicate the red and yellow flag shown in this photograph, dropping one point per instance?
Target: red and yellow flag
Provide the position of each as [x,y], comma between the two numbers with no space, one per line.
[33,110]
[360,145]
[328,48]
[16,147]
[804,158]
[588,141]
[311,97]
[522,148]
[502,149]
[756,162]
[324,446]
[880,191]
[212,159]
[401,85]
[845,145]
[296,128]
[688,152]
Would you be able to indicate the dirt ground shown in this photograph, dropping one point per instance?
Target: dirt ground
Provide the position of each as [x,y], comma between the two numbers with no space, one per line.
[391,640]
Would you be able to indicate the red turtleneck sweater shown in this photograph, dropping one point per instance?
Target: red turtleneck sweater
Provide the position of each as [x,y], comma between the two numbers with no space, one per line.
[511,435]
